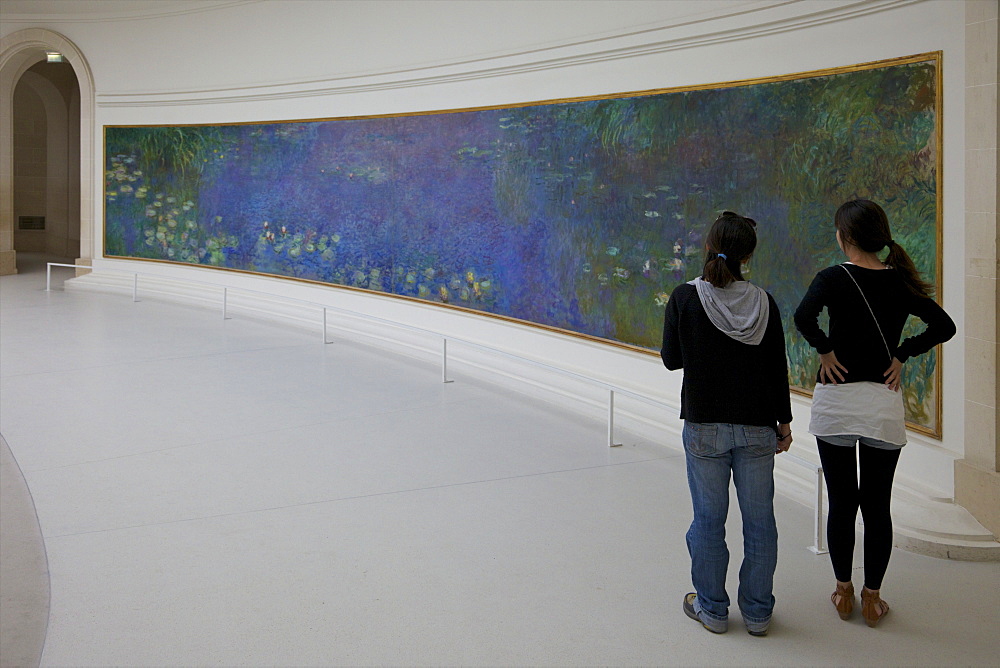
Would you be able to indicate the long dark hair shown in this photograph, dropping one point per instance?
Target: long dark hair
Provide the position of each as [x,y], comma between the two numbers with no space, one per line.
[735,237]
[863,223]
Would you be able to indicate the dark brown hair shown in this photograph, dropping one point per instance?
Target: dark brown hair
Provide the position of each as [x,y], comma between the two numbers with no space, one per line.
[735,237]
[864,224]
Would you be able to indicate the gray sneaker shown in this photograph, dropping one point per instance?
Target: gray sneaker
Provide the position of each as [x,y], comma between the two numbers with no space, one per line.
[692,610]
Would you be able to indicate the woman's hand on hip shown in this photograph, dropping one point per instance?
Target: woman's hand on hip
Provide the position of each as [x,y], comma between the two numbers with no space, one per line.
[830,370]
[893,374]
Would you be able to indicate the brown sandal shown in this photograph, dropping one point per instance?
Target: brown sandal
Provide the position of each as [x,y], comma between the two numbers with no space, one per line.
[845,604]
[873,608]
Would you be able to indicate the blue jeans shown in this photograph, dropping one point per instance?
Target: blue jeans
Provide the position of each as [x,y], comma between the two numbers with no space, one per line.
[712,452]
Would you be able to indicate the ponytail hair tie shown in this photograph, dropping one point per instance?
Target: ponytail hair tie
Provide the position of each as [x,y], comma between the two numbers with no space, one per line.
[722,255]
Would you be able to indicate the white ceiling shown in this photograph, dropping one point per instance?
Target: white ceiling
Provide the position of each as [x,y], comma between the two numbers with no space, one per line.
[96,10]
[110,8]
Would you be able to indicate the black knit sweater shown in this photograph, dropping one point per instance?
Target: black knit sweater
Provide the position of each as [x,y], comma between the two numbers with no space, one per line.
[853,334]
[725,380]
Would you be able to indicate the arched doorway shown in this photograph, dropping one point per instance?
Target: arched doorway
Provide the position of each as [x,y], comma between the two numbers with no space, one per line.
[47,161]
[19,52]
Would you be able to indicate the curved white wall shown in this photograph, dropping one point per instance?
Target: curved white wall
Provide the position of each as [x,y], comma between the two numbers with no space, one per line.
[285,59]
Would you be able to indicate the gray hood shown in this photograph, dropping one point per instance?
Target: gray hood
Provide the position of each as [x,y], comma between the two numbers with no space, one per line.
[739,310]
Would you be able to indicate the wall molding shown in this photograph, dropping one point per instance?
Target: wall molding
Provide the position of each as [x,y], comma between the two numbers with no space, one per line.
[752,23]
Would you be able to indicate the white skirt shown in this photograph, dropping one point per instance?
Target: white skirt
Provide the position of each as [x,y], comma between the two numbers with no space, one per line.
[865,408]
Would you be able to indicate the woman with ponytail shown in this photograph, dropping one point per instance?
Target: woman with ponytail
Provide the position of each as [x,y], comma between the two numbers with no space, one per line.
[857,405]
[726,334]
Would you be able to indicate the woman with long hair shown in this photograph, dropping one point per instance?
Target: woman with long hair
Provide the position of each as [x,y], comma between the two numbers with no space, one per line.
[857,405]
[725,333]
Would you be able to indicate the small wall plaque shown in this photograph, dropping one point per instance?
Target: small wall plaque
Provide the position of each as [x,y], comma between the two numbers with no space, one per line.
[31,222]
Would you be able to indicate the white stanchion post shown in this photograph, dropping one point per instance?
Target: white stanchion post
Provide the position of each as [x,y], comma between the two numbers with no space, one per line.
[48,277]
[820,546]
[611,420]
[135,287]
[444,361]
[225,302]
[325,340]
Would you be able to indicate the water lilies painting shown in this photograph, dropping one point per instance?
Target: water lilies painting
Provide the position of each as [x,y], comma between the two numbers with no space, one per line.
[579,215]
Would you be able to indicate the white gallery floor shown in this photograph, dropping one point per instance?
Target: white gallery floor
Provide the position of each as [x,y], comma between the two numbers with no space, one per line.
[234,493]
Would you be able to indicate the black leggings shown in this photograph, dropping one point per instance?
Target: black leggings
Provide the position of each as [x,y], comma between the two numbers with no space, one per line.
[845,494]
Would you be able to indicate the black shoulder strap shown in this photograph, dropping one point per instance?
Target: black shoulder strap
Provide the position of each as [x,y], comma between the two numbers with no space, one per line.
[870,311]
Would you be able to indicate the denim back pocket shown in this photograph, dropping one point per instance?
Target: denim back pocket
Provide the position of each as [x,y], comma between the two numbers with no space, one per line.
[701,439]
[760,440]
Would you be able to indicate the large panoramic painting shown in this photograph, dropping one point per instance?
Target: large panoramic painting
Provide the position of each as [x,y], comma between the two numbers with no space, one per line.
[580,215]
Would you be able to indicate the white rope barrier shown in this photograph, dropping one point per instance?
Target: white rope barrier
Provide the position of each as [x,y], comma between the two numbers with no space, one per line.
[819,547]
